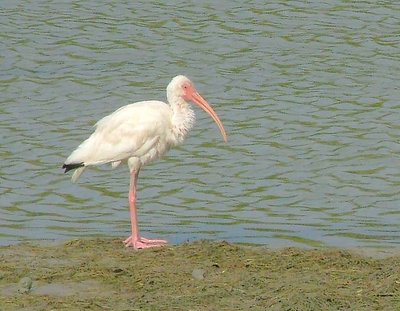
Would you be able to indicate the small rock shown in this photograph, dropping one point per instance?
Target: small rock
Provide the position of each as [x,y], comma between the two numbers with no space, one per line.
[117,270]
[24,285]
[198,274]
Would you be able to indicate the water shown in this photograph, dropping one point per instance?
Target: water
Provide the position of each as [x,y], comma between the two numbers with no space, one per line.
[308,92]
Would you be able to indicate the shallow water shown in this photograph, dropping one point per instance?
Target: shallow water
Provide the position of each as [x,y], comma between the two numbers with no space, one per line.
[308,92]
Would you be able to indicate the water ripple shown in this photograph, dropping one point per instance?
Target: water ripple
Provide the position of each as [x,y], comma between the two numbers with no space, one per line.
[308,93]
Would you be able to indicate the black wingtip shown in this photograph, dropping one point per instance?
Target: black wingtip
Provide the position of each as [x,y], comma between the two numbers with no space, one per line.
[72,166]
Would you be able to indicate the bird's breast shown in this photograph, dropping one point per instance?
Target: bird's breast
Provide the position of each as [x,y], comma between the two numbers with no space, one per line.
[159,146]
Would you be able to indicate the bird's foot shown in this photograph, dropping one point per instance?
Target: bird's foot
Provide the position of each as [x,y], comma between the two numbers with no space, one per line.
[143,242]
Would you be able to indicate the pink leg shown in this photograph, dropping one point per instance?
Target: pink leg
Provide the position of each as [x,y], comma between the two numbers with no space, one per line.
[135,240]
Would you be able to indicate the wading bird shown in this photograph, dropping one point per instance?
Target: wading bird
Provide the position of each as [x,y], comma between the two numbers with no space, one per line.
[140,133]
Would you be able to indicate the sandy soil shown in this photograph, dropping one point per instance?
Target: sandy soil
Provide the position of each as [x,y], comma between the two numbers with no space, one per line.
[103,275]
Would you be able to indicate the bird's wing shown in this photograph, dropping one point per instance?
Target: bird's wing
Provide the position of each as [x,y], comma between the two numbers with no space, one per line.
[130,131]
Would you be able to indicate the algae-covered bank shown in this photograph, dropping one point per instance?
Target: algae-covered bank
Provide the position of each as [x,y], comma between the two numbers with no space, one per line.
[101,274]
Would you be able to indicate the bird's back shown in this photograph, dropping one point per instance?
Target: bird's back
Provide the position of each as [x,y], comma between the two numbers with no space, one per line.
[133,130]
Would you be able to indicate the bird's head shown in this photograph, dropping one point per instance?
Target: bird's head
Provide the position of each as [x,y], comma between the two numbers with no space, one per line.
[181,87]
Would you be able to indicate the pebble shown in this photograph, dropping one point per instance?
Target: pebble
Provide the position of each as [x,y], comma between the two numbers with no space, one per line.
[198,274]
[25,285]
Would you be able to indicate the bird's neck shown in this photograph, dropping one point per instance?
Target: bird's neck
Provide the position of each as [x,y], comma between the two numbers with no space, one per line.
[182,119]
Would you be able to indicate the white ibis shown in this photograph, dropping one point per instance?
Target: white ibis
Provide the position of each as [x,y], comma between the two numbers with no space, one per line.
[140,133]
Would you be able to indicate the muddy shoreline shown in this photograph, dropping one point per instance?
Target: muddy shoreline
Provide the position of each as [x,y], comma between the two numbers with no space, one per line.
[100,274]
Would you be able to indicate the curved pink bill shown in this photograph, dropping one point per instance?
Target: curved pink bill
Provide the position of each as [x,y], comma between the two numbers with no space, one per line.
[196,97]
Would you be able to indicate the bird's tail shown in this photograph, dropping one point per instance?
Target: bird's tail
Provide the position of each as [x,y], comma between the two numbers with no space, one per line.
[80,167]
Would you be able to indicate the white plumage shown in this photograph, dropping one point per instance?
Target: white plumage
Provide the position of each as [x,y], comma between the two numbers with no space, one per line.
[138,134]
[143,130]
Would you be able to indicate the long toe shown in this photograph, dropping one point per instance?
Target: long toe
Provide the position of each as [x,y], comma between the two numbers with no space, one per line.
[143,243]
[153,241]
